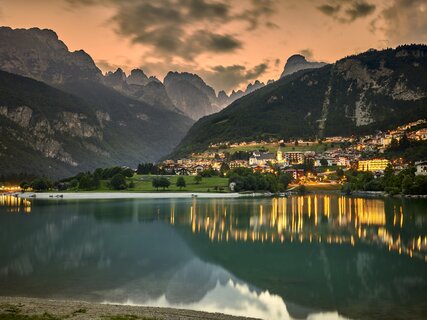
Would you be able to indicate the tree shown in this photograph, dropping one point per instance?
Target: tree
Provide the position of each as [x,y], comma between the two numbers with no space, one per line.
[407,184]
[198,179]
[24,185]
[41,184]
[164,183]
[180,183]
[156,183]
[323,162]
[285,179]
[340,173]
[128,172]
[224,169]
[118,182]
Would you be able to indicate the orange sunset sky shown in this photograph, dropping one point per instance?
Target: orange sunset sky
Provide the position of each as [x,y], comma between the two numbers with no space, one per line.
[228,43]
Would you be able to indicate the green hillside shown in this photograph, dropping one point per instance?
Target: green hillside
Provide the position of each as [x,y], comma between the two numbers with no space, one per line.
[375,90]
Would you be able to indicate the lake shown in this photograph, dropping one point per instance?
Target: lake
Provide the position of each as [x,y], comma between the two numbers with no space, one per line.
[317,256]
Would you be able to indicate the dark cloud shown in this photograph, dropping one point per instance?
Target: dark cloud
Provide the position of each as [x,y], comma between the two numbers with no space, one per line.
[105,66]
[184,28]
[307,53]
[403,21]
[346,11]
[329,10]
[231,77]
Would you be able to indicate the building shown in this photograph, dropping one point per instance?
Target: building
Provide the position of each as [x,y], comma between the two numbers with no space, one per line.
[294,157]
[296,173]
[421,167]
[238,164]
[373,165]
[262,159]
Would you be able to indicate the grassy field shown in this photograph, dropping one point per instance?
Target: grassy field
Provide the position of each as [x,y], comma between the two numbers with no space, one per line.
[273,148]
[143,183]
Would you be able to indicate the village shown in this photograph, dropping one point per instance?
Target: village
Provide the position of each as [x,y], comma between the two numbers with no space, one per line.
[302,158]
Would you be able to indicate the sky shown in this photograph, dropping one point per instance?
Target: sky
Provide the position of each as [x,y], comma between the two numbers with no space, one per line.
[229,43]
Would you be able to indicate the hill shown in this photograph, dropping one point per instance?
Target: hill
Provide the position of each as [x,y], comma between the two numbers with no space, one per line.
[375,90]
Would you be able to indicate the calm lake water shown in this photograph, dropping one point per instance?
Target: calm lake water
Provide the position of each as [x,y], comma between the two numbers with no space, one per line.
[317,257]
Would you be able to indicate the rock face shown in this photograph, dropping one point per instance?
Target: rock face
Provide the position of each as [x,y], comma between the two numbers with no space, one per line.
[39,54]
[376,90]
[138,86]
[298,62]
[191,94]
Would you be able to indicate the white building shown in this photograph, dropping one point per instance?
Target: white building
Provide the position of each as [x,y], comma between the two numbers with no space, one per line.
[421,168]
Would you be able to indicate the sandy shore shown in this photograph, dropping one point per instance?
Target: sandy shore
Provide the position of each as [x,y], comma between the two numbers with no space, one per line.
[131,195]
[77,310]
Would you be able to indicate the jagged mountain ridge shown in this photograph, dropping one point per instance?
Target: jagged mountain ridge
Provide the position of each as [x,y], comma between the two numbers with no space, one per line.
[375,90]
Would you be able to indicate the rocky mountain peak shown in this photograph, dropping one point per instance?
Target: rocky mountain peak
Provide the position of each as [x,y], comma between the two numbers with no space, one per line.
[138,77]
[39,54]
[298,62]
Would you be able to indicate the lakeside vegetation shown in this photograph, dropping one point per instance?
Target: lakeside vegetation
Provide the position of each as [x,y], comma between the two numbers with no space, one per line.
[392,182]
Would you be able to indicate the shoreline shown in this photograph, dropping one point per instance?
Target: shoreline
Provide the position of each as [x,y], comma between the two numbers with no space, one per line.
[132,195]
[43,308]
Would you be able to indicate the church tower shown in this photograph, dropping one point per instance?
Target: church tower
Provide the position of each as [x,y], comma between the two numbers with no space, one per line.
[279,155]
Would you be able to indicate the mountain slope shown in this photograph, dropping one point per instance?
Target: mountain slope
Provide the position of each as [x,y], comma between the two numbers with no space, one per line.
[371,91]
[47,131]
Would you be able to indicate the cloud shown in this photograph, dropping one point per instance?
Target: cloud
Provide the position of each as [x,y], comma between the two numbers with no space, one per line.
[307,53]
[403,21]
[347,11]
[105,66]
[234,76]
[185,28]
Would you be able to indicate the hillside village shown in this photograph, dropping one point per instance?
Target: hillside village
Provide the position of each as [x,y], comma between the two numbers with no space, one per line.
[300,158]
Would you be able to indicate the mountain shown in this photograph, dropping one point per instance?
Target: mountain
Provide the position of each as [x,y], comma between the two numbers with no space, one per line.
[372,91]
[47,131]
[190,94]
[75,118]
[138,86]
[297,63]
[40,55]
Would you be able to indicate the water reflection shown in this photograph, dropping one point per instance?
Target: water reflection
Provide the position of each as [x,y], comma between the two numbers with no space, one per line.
[314,218]
[282,258]
[15,204]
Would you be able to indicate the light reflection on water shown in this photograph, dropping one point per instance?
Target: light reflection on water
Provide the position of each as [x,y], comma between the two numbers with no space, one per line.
[305,257]
[300,218]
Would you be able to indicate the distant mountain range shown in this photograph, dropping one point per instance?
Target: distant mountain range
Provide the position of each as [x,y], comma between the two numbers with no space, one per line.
[375,90]
[60,115]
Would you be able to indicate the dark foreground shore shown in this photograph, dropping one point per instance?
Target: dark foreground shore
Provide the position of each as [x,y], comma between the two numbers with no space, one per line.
[18,308]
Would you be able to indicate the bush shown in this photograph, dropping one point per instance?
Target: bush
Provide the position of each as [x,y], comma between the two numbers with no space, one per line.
[346,188]
[392,190]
